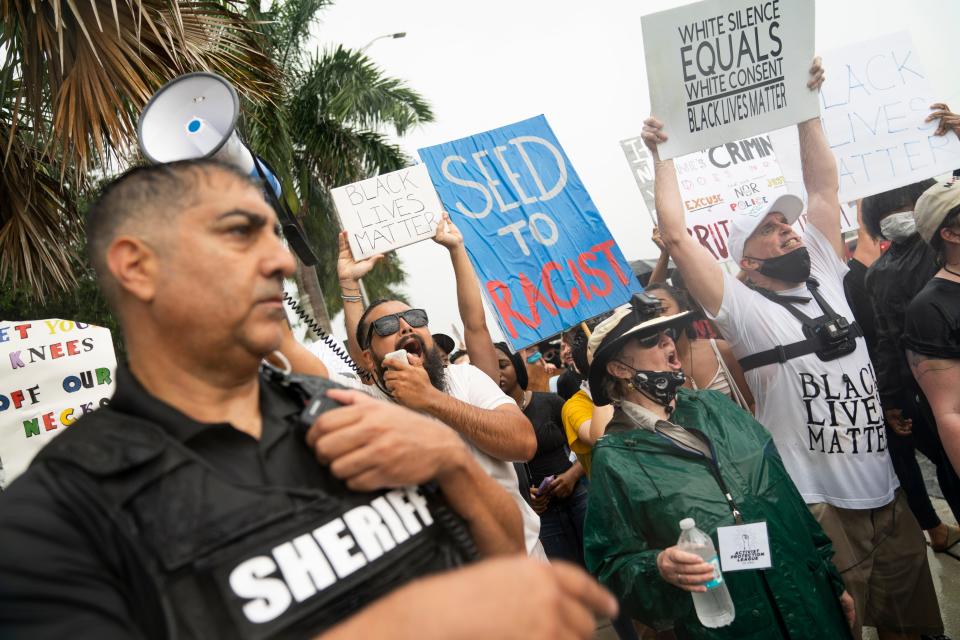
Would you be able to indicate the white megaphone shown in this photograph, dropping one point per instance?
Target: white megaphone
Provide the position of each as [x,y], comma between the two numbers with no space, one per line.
[195,116]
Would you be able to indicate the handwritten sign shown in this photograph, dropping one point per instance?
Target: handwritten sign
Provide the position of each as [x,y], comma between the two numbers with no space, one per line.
[875,98]
[389,211]
[641,166]
[722,70]
[53,372]
[736,178]
[543,254]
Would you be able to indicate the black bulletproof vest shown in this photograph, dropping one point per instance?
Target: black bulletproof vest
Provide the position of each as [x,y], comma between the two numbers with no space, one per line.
[255,561]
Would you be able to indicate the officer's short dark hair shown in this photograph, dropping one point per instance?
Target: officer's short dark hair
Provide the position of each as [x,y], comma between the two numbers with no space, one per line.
[879,206]
[140,195]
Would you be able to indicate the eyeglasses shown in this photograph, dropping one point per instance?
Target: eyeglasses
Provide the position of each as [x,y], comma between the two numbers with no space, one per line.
[389,325]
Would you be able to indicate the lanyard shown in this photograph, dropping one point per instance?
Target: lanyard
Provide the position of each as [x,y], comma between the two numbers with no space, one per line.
[714,465]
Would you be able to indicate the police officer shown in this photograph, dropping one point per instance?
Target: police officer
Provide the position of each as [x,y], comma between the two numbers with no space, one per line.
[192,507]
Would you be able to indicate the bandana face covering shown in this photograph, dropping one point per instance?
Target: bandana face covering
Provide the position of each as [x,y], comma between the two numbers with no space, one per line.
[790,267]
[898,226]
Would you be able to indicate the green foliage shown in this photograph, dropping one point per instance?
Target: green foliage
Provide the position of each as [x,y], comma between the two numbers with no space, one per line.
[83,303]
[336,112]
[72,84]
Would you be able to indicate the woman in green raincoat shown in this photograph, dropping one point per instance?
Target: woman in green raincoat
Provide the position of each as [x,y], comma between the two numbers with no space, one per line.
[670,453]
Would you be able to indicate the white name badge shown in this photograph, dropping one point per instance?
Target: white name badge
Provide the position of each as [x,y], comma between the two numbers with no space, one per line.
[744,547]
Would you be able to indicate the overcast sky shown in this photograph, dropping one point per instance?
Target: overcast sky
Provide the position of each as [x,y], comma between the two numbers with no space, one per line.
[482,65]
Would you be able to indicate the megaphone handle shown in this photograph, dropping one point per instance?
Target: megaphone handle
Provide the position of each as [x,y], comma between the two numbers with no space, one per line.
[291,229]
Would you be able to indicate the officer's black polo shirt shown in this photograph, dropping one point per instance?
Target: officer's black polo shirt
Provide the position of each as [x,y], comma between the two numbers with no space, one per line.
[44,532]
[278,458]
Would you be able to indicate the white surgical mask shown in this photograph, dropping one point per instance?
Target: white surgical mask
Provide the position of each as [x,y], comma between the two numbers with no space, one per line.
[898,226]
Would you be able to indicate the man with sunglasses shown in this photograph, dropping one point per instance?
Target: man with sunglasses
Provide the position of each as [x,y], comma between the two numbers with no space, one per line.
[194,505]
[462,396]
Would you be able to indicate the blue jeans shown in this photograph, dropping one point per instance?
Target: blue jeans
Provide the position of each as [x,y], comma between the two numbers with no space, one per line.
[561,525]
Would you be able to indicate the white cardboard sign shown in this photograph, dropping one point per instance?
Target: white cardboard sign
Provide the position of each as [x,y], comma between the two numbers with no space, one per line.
[389,211]
[875,98]
[737,178]
[722,70]
[51,373]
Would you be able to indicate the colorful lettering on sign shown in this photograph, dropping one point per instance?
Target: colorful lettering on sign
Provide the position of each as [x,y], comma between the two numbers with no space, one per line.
[535,237]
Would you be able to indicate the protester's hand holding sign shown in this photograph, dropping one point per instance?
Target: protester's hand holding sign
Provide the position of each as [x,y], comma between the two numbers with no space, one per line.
[949,121]
[701,272]
[448,235]
[349,272]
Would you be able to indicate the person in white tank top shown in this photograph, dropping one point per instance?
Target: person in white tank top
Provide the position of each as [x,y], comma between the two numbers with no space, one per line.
[710,362]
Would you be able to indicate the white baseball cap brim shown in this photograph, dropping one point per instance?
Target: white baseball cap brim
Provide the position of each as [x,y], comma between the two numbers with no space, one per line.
[743,226]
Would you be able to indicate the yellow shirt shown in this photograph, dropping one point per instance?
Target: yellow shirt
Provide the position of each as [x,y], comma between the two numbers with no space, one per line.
[577,410]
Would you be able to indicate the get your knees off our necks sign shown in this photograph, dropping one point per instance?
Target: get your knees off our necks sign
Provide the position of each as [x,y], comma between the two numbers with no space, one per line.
[51,373]
[543,254]
[723,70]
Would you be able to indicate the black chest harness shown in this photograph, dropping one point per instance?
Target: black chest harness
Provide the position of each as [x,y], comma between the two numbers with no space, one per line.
[830,335]
[229,559]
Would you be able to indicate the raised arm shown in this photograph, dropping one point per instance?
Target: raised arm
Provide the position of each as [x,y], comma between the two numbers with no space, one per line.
[502,432]
[820,177]
[701,273]
[372,444]
[479,344]
[349,272]
[662,268]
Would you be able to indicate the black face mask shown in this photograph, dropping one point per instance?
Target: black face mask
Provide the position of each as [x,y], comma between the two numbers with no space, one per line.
[790,267]
[659,386]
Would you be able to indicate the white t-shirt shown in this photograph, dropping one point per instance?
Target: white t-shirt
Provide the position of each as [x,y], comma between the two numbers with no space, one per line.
[333,362]
[469,384]
[825,417]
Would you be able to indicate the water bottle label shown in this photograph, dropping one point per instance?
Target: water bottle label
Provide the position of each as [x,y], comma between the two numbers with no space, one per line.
[718,576]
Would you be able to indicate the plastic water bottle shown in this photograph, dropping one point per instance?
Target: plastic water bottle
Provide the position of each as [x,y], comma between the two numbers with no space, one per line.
[714,607]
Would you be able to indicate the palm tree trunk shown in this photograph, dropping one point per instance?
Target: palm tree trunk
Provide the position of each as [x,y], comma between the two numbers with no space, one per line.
[309,286]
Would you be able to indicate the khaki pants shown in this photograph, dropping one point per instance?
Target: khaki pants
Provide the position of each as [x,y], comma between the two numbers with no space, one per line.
[882,555]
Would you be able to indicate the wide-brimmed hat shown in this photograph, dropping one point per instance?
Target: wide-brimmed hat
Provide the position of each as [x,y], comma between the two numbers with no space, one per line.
[611,334]
[934,205]
[742,226]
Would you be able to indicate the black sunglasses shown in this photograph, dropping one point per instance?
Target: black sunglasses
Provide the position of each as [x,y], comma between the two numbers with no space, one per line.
[651,341]
[389,325]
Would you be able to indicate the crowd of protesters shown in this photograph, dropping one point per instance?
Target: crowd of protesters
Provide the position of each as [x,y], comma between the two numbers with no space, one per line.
[238,486]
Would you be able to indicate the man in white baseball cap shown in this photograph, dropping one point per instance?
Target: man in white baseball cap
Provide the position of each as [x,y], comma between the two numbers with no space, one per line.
[807,365]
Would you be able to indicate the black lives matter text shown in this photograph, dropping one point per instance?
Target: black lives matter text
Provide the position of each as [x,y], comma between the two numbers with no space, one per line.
[733,66]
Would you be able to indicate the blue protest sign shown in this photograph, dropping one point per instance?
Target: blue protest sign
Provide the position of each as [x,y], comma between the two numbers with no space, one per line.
[543,254]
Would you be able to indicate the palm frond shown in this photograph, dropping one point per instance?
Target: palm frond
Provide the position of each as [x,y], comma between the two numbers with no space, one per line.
[89,66]
[347,87]
[74,76]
